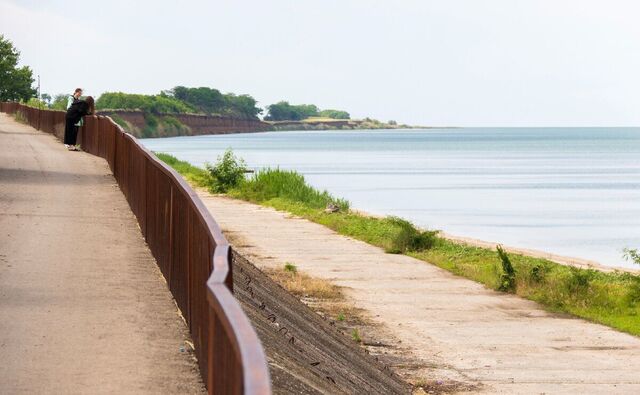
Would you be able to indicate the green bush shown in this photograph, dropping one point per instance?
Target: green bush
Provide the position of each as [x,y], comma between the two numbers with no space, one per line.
[290,267]
[579,279]
[408,238]
[269,184]
[335,114]
[537,272]
[508,275]
[227,173]
[633,296]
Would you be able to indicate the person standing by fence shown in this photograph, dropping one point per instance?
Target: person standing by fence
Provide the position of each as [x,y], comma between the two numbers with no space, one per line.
[74,116]
[74,98]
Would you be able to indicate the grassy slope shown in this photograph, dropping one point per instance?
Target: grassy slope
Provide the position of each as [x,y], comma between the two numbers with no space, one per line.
[612,299]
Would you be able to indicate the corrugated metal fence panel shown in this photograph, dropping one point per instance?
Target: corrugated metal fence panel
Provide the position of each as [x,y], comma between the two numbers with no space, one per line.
[187,244]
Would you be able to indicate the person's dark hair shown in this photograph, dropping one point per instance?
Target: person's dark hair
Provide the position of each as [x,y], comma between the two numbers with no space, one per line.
[91,103]
[77,90]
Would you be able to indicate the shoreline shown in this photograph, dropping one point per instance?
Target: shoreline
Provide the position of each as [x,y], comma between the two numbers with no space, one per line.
[460,333]
[581,263]
[604,295]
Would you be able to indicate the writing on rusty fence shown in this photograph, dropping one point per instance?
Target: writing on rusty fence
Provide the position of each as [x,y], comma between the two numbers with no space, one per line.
[189,247]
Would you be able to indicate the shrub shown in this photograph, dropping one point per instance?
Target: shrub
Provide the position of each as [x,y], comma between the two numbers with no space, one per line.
[537,272]
[633,295]
[408,238]
[227,173]
[579,279]
[270,184]
[508,275]
[290,267]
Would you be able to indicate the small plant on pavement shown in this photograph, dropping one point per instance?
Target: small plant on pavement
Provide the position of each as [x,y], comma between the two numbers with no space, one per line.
[355,335]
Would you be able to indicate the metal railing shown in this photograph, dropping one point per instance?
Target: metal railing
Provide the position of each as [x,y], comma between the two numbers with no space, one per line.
[192,253]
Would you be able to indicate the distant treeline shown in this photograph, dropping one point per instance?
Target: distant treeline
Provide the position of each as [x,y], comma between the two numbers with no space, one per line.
[211,101]
[283,111]
[180,100]
[203,100]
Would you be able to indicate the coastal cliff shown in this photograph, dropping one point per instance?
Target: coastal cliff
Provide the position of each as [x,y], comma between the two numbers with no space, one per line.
[143,124]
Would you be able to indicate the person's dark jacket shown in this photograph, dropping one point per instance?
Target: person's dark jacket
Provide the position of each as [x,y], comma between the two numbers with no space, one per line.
[78,110]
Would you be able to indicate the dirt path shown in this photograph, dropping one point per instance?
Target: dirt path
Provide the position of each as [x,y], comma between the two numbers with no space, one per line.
[460,330]
[83,307]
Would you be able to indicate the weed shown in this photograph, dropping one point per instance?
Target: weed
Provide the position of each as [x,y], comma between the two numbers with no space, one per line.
[341,317]
[408,238]
[508,276]
[290,267]
[633,295]
[579,279]
[304,286]
[355,335]
[537,272]
[268,184]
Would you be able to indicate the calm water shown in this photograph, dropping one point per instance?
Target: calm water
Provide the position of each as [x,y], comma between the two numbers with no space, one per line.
[570,191]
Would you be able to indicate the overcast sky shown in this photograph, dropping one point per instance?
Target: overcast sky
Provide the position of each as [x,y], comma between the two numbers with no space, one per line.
[447,62]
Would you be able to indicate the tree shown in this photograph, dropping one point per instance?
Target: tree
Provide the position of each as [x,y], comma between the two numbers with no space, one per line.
[211,101]
[244,106]
[283,111]
[335,114]
[204,99]
[156,104]
[46,98]
[59,101]
[632,254]
[15,82]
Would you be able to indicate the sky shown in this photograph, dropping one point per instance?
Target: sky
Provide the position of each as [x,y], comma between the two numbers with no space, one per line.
[432,63]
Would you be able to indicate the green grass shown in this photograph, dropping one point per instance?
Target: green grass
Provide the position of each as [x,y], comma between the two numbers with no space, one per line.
[193,174]
[290,186]
[355,335]
[290,267]
[611,299]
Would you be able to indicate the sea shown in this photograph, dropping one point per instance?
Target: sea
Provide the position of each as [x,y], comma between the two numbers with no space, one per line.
[568,191]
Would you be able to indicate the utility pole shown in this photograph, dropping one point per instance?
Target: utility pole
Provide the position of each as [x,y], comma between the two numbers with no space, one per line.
[39,103]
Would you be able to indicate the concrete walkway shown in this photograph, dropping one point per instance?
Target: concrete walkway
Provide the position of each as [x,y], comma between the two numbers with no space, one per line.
[83,307]
[461,331]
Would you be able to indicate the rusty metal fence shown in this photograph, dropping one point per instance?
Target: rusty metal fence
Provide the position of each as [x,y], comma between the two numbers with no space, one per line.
[189,247]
